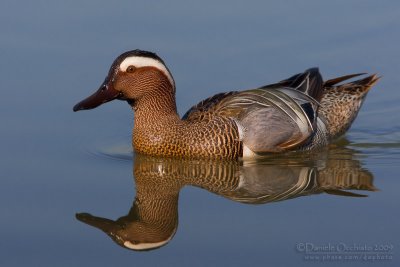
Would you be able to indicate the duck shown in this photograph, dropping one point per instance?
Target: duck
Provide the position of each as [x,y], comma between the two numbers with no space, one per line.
[300,113]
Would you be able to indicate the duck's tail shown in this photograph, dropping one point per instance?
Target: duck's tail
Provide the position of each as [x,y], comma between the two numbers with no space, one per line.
[341,103]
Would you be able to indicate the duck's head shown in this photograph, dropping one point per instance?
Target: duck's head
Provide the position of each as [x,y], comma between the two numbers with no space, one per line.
[132,75]
[132,233]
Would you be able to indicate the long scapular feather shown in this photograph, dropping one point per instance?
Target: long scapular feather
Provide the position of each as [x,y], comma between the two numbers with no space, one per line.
[337,80]
[276,98]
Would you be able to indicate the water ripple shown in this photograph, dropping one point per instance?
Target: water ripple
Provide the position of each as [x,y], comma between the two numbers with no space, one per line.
[381,147]
[119,149]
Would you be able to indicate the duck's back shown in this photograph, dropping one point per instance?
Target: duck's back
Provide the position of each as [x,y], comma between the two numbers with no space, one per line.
[299,113]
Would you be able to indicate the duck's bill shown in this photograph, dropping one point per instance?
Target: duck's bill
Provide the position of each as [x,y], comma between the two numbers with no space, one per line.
[101,223]
[105,94]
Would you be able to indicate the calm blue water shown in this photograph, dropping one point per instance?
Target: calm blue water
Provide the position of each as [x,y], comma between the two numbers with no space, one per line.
[57,163]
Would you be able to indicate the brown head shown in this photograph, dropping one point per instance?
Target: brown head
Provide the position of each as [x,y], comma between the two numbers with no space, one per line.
[133,75]
[137,232]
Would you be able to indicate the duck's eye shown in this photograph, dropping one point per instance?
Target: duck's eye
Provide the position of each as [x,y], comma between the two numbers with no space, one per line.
[130,69]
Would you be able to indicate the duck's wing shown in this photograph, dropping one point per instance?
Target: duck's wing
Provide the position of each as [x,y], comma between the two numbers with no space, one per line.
[206,107]
[270,118]
[309,82]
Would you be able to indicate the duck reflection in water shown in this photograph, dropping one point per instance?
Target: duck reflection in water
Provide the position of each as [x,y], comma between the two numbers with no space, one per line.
[153,219]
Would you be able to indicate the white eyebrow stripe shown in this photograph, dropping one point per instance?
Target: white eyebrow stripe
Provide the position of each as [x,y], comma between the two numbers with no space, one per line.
[139,62]
[142,246]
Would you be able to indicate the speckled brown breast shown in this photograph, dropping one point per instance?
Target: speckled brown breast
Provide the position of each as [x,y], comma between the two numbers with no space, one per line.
[214,138]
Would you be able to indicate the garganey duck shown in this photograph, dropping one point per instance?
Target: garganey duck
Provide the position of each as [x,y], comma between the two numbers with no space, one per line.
[300,113]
